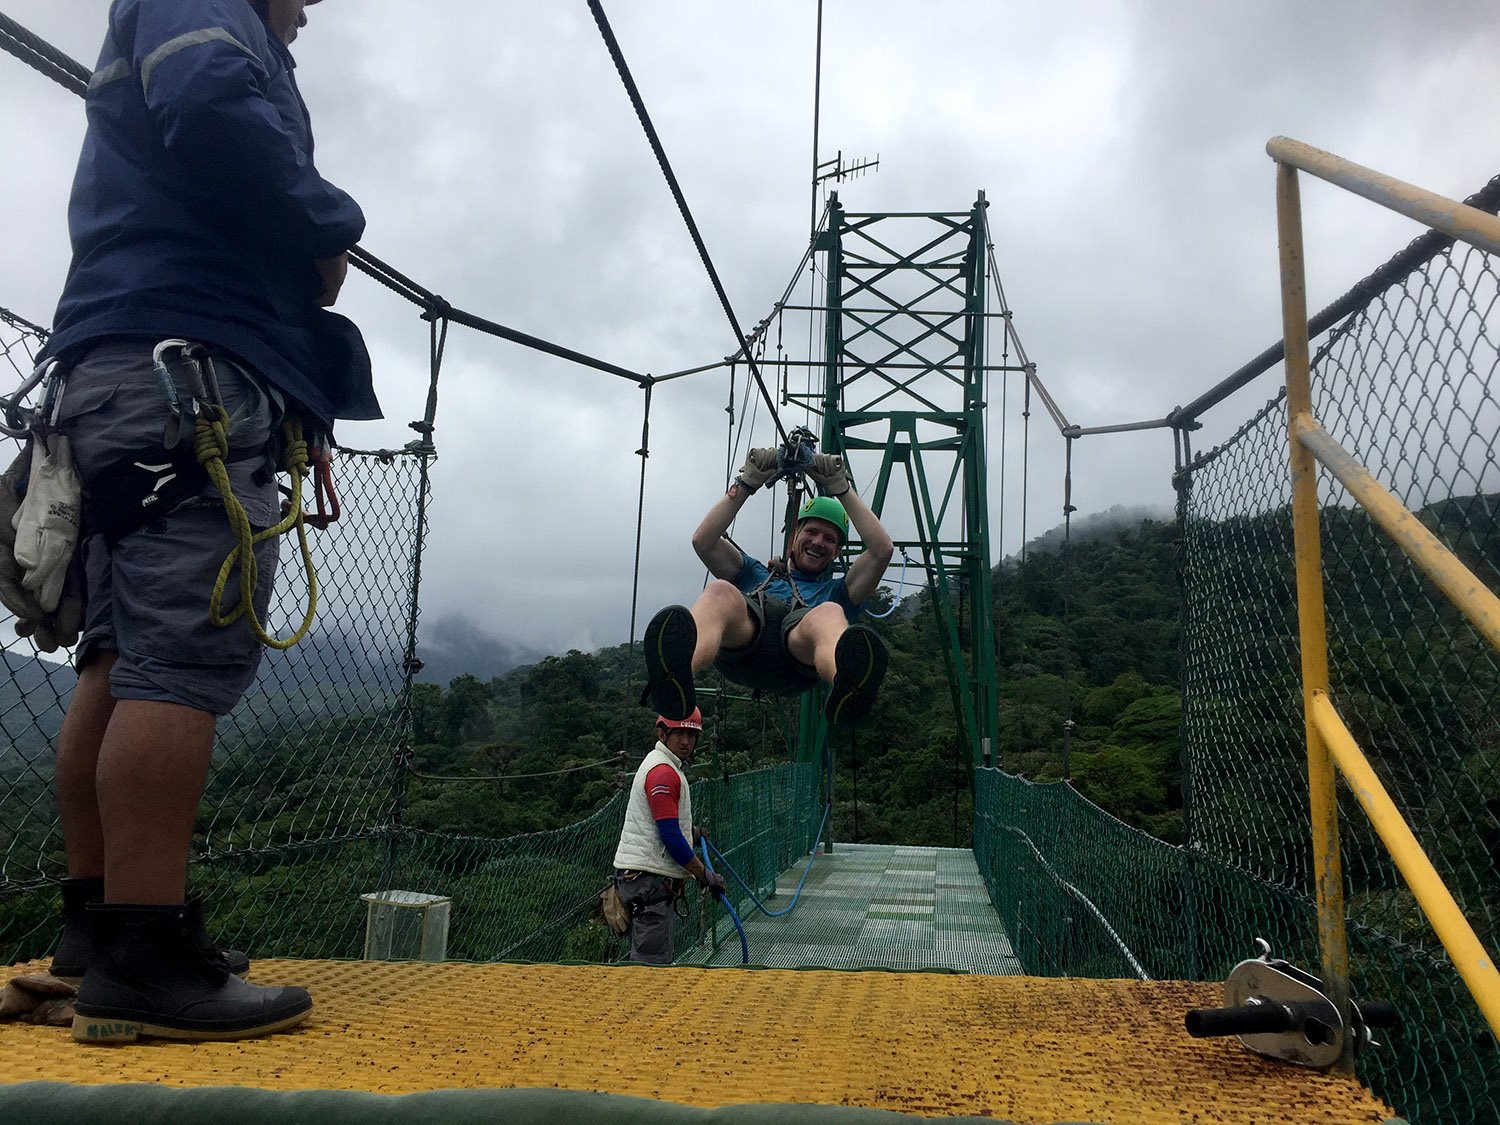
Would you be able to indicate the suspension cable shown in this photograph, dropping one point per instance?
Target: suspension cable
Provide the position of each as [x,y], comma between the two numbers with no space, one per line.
[73,75]
[643,453]
[615,759]
[687,215]
[36,52]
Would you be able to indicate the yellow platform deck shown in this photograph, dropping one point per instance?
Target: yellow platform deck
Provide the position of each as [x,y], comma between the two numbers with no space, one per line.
[1024,1049]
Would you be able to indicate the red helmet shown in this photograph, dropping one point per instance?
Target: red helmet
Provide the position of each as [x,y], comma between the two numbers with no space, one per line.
[692,722]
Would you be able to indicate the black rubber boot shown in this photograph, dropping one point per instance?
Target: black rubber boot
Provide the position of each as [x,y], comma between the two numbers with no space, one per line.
[859,665]
[149,976]
[77,943]
[234,960]
[670,639]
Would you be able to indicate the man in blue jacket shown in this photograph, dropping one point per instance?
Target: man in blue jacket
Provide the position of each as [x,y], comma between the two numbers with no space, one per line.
[197,216]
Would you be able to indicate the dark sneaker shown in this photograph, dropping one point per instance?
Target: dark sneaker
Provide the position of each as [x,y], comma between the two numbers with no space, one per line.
[670,639]
[859,664]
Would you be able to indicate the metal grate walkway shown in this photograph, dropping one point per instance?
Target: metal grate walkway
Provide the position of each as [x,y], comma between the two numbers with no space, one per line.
[1008,1048]
[877,906]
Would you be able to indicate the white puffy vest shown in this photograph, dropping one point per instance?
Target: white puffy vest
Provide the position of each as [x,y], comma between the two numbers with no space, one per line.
[640,847]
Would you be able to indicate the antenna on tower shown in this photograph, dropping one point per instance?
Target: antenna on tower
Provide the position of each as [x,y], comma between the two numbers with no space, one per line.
[836,169]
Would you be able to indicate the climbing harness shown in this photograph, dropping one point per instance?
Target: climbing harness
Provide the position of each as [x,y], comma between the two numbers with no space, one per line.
[202,414]
[793,458]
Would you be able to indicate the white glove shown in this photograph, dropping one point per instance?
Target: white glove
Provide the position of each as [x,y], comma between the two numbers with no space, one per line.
[60,628]
[48,631]
[47,523]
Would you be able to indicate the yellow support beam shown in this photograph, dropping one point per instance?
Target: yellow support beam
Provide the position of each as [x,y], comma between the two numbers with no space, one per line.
[1463,588]
[1328,871]
[1465,223]
[1474,964]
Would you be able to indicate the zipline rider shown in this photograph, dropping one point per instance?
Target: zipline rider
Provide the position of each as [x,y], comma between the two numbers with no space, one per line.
[779,631]
[655,854]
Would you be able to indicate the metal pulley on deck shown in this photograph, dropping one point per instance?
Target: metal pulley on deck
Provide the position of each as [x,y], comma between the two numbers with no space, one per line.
[1281,1012]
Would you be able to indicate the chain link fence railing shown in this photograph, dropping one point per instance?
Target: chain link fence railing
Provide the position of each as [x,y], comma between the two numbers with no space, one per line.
[532,897]
[307,770]
[302,810]
[1408,385]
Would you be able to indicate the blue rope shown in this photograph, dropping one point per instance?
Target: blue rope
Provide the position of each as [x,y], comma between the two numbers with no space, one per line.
[704,845]
[746,886]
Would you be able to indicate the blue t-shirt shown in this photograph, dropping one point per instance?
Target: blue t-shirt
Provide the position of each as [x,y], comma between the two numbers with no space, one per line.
[813,589]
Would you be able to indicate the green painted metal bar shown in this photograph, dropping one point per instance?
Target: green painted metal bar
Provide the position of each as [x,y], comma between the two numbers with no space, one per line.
[933,330]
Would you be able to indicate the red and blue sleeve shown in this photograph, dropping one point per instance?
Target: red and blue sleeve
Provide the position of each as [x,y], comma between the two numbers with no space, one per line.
[663,792]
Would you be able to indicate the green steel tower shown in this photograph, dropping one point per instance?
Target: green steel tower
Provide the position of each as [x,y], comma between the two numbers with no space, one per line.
[904,377]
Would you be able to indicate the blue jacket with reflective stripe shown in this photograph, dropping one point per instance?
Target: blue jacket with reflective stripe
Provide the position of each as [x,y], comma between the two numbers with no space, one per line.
[196,209]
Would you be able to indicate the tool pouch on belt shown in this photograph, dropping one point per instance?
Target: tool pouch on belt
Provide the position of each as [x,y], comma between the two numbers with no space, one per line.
[141,487]
[613,911]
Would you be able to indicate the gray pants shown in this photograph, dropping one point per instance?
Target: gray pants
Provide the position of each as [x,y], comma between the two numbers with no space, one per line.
[649,898]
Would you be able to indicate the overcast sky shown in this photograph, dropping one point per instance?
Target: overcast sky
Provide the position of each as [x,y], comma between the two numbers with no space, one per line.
[499,163]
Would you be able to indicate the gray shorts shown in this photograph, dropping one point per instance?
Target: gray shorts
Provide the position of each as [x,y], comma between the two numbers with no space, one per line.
[766,664]
[148,595]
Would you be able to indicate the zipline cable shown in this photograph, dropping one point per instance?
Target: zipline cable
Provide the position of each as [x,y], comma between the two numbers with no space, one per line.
[644,453]
[687,215]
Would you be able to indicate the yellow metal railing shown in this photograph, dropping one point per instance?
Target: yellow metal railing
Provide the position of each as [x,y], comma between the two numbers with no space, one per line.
[1329,743]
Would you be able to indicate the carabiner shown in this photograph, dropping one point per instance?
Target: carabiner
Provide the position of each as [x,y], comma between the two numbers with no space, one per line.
[322,461]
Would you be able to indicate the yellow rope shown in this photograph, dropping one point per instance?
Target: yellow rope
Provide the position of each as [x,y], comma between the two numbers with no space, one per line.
[211,444]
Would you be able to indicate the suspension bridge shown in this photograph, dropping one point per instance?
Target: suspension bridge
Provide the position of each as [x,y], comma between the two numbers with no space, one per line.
[1042,976]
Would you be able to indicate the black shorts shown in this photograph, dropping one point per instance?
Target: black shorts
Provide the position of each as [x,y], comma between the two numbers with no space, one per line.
[765,664]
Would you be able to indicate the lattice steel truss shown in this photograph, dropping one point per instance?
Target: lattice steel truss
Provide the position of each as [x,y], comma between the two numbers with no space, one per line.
[904,378]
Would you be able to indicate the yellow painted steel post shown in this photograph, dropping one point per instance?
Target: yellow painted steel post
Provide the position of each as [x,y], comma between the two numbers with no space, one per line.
[1465,950]
[1311,620]
[1462,586]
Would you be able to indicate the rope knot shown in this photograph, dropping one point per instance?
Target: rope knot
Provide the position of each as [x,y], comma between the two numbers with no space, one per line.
[211,436]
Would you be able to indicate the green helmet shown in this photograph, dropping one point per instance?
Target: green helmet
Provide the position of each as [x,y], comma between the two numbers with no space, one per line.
[828,509]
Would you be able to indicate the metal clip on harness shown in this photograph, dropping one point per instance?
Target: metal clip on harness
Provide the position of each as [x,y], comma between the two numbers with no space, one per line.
[208,428]
[1281,1012]
[19,419]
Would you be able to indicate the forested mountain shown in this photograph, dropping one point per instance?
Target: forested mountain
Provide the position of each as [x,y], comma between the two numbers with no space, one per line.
[1099,625]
